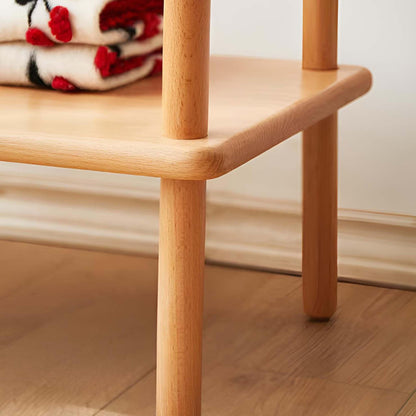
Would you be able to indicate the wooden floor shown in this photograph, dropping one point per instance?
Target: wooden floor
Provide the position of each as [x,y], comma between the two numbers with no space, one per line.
[77,338]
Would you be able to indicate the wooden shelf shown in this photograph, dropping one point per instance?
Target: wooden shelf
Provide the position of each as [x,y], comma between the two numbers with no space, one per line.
[255,104]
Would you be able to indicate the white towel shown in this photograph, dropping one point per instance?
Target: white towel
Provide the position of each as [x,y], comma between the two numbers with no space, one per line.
[79,67]
[95,22]
[74,45]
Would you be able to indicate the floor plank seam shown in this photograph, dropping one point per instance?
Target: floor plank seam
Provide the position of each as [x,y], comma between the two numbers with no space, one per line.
[125,390]
[405,403]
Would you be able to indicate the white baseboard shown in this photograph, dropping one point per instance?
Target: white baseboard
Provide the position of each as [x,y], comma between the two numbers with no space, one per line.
[74,210]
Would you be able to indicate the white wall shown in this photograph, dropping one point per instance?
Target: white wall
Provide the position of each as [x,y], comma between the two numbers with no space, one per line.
[377,134]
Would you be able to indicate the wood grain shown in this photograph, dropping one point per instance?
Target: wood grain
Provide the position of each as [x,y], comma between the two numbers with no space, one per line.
[182,212]
[180,297]
[230,391]
[186,68]
[320,170]
[386,362]
[262,357]
[320,34]
[320,214]
[409,409]
[82,338]
[120,131]
[75,331]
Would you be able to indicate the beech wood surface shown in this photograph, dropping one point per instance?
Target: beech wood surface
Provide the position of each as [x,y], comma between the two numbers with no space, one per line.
[320,190]
[186,30]
[180,297]
[320,34]
[120,131]
[320,170]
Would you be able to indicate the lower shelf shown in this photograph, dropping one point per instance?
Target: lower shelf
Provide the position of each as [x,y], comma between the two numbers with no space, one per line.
[255,105]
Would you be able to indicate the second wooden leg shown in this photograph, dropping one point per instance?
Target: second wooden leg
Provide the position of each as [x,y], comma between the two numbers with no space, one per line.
[180,297]
[320,188]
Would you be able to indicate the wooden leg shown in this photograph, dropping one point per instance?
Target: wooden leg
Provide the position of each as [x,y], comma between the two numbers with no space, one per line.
[180,297]
[320,189]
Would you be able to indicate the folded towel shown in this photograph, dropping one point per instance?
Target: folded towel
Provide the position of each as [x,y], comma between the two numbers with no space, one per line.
[73,45]
[73,67]
[95,22]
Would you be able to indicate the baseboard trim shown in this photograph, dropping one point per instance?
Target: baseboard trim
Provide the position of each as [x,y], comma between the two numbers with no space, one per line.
[374,248]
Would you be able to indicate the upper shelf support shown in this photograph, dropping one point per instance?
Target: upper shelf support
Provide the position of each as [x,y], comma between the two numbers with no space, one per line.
[186,68]
[320,34]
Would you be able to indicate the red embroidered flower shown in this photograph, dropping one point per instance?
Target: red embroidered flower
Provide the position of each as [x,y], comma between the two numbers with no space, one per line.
[60,24]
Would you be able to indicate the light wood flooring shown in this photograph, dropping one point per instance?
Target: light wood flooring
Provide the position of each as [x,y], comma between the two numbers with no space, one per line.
[77,338]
